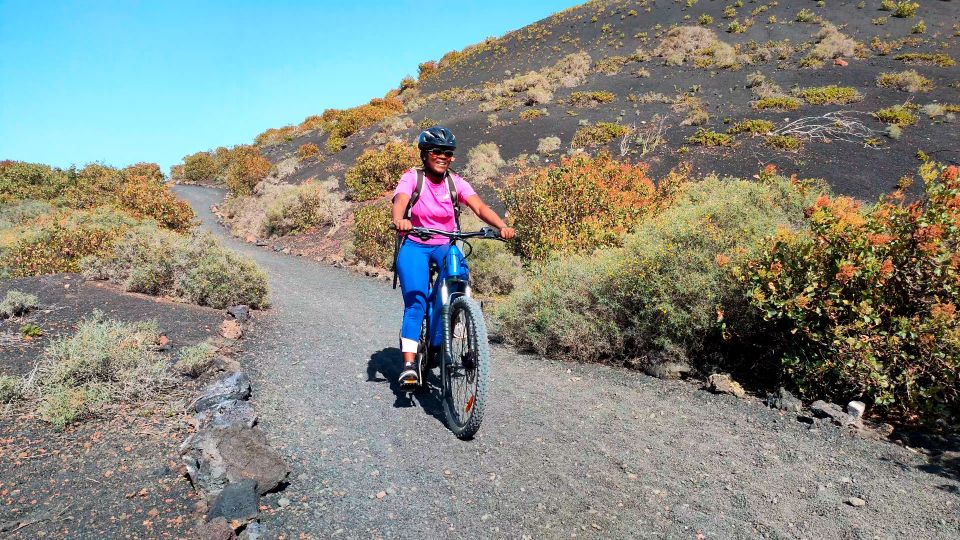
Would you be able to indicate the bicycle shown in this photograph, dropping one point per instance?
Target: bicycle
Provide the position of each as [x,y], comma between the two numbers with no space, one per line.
[464,349]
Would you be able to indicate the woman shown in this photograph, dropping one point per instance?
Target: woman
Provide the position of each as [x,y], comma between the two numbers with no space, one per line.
[434,209]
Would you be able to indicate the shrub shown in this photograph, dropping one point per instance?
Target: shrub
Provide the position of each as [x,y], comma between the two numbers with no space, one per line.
[59,244]
[373,241]
[307,150]
[144,195]
[805,15]
[350,121]
[494,270]
[193,361]
[590,99]
[200,168]
[483,163]
[16,304]
[611,65]
[905,81]
[247,167]
[598,135]
[581,204]
[698,46]
[900,9]
[705,20]
[865,303]
[11,388]
[530,114]
[898,115]
[22,212]
[197,268]
[377,171]
[30,331]
[548,145]
[756,127]
[781,103]
[831,43]
[927,59]
[783,142]
[830,95]
[671,289]
[103,361]
[298,208]
[706,137]
[273,136]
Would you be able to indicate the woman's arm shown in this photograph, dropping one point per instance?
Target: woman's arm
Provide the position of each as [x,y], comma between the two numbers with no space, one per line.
[400,201]
[484,212]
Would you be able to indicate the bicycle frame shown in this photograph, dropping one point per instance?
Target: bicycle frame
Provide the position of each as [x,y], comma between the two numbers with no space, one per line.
[453,280]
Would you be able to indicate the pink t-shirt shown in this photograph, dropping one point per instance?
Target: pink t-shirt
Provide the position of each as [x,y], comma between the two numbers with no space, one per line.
[433,209]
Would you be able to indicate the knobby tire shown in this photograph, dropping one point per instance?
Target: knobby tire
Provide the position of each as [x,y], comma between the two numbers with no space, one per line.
[465,332]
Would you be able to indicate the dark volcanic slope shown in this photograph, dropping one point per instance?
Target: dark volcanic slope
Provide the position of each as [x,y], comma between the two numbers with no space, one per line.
[619,28]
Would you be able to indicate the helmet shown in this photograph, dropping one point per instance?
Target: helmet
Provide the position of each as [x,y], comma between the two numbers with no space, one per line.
[436,137]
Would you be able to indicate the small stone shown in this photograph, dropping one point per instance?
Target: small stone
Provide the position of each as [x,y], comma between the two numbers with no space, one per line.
[238,501]
[231,329]
[721,383]
[240,313]
[822,409]
[856,502]
[217,529]
[785,401]
[856,409]
[381,494]
[841,62]
[283,502]
[250,238]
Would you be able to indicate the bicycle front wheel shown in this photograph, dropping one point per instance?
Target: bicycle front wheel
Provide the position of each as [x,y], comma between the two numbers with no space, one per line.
[466,367]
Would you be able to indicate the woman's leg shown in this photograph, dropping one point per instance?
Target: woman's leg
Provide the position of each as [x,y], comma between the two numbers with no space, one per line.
[413,269]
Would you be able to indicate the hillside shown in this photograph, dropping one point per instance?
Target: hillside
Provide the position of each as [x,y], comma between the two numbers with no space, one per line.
[639,76]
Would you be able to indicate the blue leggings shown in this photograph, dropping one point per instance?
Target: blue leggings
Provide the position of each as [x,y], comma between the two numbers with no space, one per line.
[413,269]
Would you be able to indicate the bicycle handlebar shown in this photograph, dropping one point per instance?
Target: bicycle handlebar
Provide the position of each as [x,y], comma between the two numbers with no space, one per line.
[425,233]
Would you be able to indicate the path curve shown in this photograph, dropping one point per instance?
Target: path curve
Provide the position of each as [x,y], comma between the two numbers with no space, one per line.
[566,449]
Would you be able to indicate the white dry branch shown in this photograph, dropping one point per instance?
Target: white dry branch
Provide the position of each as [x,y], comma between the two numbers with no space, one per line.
[647,137]
[833,126]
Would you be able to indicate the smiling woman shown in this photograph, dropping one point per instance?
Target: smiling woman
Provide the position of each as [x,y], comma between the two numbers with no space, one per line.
[124,82]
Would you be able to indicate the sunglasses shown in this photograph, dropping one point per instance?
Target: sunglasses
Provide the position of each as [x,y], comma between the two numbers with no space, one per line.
[440,152]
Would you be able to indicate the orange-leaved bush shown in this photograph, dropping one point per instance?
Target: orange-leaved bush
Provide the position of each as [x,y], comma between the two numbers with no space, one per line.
[144,195]
[866,302]
[347,122]
[578,205]
[247,167]
[377,171]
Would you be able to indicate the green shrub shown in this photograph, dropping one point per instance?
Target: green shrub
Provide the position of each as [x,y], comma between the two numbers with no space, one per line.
[494,270]
[591,99]
[830,95]
[11,388]
[897,115]
[104,361]
[16,304]
[805,15]
[927,59]
[756,127]
[200,167]
[578,205]
[783,142]
[865,303]
[778,103]
[58,245]
[196,268]
[377,171]
[247,167]
[22,212]
[705,137]
[193,361]
[483,163]
[373,241]
[905,81]
[30,331]
[598,135]
[298,208]
[672,289]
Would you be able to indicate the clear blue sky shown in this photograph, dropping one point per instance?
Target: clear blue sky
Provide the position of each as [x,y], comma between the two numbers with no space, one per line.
[127,81]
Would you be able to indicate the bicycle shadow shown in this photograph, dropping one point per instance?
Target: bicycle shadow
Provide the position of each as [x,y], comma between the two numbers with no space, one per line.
[388,363]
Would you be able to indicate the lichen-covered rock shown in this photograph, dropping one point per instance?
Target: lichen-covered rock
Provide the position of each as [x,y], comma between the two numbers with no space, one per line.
[721,383]
[235,386]
[215,457]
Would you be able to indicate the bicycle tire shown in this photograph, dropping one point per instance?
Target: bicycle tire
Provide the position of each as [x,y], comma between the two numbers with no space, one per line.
[465,390]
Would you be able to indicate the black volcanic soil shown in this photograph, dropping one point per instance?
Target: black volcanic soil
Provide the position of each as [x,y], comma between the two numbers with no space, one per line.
[608,28]
[113,476]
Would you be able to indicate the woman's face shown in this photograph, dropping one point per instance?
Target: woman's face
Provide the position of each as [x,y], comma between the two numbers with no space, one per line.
[437,161]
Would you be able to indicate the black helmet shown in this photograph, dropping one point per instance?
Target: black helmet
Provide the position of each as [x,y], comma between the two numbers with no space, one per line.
[436,137]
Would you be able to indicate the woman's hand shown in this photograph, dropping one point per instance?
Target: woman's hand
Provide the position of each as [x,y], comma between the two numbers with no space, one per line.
[403,224]
[507,233]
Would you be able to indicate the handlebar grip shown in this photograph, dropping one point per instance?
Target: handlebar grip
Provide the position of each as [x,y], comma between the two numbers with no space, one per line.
[393,227]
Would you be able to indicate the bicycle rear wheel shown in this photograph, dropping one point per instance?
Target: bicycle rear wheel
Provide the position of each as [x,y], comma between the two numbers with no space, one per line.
[466,366]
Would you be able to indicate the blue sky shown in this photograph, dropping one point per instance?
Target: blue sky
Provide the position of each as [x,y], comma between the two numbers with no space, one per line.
[127,81]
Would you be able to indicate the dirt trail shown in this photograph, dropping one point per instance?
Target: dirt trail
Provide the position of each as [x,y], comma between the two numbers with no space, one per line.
[566,449]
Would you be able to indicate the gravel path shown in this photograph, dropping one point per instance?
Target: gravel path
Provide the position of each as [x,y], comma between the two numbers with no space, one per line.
[566,449]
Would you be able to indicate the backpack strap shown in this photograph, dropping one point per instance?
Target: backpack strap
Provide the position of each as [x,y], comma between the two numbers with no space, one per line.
[415,196]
